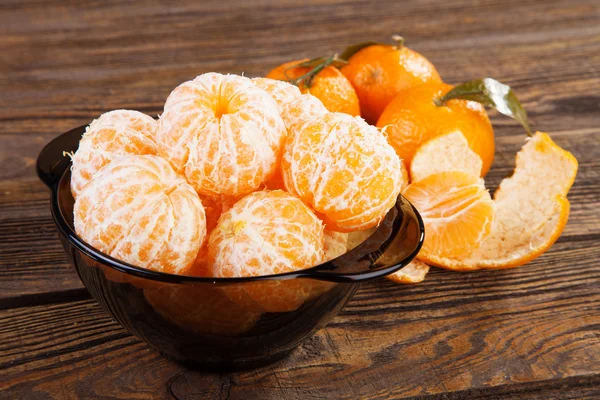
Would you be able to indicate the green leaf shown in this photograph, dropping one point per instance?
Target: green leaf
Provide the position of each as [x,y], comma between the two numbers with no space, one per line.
[490,93]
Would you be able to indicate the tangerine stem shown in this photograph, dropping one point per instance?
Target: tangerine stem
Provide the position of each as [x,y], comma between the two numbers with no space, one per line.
[317,65]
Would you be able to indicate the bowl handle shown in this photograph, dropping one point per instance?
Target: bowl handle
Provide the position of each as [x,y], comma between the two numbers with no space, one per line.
[392,246]
[53,160]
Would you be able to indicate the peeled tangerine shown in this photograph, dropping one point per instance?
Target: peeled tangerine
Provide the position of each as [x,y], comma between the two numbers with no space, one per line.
[301,110]
[344,169]
[531,210]
[295,114]
[267,232]
[223,133]
[139,210]
[110,137]
[201,309]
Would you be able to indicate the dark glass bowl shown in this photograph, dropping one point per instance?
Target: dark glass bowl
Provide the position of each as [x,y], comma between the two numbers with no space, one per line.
[213,321]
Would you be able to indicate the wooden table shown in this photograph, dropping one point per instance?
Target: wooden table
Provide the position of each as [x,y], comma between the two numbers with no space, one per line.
[527,333]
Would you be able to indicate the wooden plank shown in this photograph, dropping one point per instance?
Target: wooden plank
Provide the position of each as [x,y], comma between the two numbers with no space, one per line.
[33,263]
[455,332]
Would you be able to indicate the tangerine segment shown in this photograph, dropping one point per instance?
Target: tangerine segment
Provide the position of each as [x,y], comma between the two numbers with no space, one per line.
[532,209]
[201,309]
[457,212]
[223,132]
[412,118]
[110,137]
[414,272]
[267,232]
[344,169]
[140,211]
[449,152]
[329,85]
[379,72]
[282,92]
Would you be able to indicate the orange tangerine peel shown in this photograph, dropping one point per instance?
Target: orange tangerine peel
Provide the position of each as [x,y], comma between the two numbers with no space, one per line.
[139,210]
[344,169]
[532,209]
[223,133]
[113,135]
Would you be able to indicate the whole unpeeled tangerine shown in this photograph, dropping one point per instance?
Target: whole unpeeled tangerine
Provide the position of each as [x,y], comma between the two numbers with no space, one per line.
[412,118]
[223,133]
[379,72]
[344,169]
[140,211]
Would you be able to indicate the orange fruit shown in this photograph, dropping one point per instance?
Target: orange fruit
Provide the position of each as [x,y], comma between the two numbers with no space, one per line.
[449,152]
[267,232]
[295,114]
[379,72]
[201,309]
[414,272]
[214,207]
[344,169]
[110,137]
[531,209]
[139,210]
[412,118]
[282,92]
[223,133]
[329,86]
[457,212]
[301,110]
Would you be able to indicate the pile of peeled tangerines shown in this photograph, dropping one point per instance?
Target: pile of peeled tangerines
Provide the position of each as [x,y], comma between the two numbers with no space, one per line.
[245,177]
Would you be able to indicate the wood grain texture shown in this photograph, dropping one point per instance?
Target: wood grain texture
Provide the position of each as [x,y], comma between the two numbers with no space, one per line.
[528,333]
